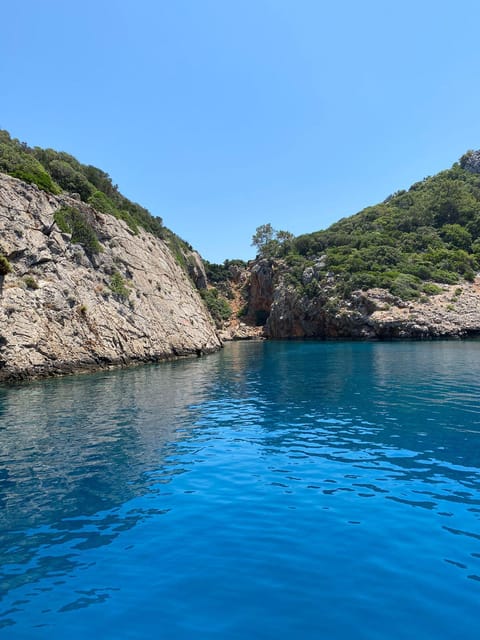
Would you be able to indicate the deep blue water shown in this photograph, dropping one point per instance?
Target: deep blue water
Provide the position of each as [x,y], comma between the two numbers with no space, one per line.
[270,491]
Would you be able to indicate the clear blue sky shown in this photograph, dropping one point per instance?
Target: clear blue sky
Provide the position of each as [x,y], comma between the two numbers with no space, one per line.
[221,115]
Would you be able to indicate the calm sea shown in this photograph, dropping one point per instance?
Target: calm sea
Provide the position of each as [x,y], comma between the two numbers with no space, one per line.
[300,490]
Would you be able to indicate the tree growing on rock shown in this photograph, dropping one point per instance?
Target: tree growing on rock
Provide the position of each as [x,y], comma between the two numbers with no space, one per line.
[271,243]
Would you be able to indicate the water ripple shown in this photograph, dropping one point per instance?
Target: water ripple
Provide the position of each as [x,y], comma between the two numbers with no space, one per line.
[272,490]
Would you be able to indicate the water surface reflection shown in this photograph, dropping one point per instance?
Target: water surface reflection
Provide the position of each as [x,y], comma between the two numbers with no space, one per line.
[284,473]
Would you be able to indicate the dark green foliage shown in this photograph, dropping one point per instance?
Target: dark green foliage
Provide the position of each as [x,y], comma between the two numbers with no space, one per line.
[72,221]
[456,236]
[219,308]
[5,266]
[243,311]
[17,160]
[406,286]
[429,233]
[117,286]
[271,243]
[222,272]
[56,170]
[431,289]
[216,272]
[102,203]
[178,247]
[70,179]
[101,181]
[263,238]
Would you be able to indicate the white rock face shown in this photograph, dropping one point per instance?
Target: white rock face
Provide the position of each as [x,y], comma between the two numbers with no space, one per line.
[73,320]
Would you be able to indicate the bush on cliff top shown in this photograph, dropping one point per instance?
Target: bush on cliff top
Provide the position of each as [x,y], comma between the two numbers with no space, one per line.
[430,233]
[17,161]
[54,171]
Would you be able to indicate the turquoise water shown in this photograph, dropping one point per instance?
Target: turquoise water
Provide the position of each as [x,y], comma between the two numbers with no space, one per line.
[270,491]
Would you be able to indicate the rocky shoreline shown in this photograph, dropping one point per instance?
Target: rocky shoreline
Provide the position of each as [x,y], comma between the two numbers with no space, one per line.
[374,314]
[64,310]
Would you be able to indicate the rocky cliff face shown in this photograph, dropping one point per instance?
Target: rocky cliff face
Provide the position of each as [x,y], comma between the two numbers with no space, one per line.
[61,310]
[371,314]
[377,314]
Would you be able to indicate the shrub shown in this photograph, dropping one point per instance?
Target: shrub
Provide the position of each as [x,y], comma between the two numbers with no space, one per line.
[30,282]
[102,203]
[405,286]
[219,308]
[70,179]
[431,289]
[117,286]
[445,277]
[72,221]
[18,163]
[456,236]
[5,266]
[243,311]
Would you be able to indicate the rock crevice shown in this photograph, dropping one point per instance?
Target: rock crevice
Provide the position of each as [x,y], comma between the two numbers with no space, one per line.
[60,312]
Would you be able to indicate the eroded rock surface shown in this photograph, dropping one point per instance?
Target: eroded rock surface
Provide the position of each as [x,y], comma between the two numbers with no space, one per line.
[59,311]
[376,313]
[288,312]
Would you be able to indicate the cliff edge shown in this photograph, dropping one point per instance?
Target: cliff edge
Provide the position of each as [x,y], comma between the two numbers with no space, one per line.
[65,308]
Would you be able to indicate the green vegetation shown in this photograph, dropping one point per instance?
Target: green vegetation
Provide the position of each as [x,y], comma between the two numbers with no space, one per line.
[243,311]
[117,286]
[57,171]
[428,234]
[17,160]
[271,243]
[73,221]
[5,266]
[30,282]
[217,273]
[178,247]
[414,239]
[54,171]
[219,308]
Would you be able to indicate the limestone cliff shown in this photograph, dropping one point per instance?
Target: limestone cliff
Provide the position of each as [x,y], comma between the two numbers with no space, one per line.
[374,313]
[287,312]
[63,309]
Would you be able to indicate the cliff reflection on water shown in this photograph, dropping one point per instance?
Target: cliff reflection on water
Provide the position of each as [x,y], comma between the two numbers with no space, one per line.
[76,445]
[73,450]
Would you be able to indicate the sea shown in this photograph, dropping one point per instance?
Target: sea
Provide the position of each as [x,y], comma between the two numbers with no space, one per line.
[273,490]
